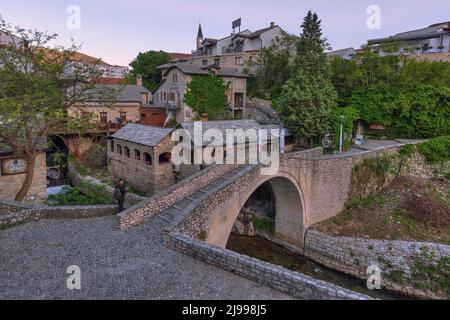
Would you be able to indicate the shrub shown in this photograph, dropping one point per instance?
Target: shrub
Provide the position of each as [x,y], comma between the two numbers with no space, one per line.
[436,150]
[85,194]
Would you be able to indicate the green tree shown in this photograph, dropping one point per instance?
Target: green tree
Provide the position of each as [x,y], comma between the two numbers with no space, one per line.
[271,68]
[36,92]
[346,77]
[308,97]
[146,64]
[207,94]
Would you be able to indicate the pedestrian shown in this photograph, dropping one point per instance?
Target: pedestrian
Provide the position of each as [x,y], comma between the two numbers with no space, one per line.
[120,193]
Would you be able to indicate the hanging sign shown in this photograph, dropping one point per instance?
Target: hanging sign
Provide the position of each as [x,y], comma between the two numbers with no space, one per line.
[13,166]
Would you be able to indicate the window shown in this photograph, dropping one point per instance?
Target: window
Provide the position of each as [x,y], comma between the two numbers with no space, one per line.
[239,61]
[127,152]
[175,78]
[148,159]
[123,116]
[165,96]
[217,62]
[137,154]
[119,149]
[205,62]
[112,145]
[250,59]
[103,117]
[165,158]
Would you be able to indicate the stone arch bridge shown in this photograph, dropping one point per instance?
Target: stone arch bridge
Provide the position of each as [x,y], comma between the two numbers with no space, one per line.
[309,187]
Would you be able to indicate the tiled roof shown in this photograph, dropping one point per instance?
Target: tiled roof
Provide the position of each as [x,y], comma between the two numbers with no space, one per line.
[259,32]
[176,55]
[189,68]
[142,134]
[222,126]
[127,93]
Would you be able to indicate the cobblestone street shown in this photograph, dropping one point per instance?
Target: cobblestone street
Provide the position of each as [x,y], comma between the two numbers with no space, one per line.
[114,264]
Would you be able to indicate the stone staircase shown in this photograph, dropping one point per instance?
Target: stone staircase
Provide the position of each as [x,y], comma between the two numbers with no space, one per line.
[175,213]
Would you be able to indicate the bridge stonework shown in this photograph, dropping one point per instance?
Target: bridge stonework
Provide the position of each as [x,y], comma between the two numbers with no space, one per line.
[309,188]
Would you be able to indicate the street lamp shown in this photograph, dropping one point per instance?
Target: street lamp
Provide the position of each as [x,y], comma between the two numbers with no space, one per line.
[341,136]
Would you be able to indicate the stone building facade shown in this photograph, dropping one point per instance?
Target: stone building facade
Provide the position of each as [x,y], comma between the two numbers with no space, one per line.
[113,106]
[141,155]
[170,92]
[12,175]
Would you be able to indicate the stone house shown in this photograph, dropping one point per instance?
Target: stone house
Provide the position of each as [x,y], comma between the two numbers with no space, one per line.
[141,155]
[128,100]
[170,92]
[12,175]
[235,49]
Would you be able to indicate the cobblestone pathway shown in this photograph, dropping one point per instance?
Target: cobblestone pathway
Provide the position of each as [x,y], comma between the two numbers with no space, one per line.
[132,264]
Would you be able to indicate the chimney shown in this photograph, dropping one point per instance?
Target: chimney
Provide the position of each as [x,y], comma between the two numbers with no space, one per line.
[139,80]
[272,24]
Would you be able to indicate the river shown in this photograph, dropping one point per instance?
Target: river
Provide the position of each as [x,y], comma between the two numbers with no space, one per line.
[268,251]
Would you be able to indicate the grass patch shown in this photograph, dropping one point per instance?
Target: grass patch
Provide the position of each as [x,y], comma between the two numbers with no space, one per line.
[265,224]
[136,191]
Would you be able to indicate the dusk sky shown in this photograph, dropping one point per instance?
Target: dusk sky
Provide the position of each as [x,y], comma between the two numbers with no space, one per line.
[117,30]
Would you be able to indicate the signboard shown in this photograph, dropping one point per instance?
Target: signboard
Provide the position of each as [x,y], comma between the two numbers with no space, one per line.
[377,127]
[13,166]
[237,23]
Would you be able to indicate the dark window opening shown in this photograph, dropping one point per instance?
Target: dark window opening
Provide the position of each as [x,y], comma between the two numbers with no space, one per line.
[127,152]
[148,159]
[137,154]
[119,149]
[165,158]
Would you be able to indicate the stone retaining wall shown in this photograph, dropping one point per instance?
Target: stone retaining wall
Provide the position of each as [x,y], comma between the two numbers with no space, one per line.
[26,214]
[163,200]
[13,206]
[290,282]
[394,258]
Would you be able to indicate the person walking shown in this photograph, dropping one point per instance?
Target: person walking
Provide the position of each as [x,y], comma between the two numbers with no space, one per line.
[120,194]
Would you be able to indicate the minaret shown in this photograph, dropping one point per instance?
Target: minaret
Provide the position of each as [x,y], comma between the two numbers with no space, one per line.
[199,37]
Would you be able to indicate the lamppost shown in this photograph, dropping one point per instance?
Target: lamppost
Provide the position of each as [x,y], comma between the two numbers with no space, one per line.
[341,136]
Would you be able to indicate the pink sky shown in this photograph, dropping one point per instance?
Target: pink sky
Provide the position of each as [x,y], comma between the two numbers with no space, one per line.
[117,30]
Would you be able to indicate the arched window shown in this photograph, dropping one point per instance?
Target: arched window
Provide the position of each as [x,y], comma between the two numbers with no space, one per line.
[112,146]
[148,159]
[137,154]
[165,158]
[119,149]
[127,152]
